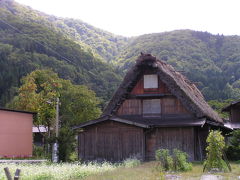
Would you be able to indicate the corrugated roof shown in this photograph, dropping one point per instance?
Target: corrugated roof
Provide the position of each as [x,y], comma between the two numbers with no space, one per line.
[39,129]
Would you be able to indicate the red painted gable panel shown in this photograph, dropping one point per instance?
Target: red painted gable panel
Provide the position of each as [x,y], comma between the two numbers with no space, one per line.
[139,88]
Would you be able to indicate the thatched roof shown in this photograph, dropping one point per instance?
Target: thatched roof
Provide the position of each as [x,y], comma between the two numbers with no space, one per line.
[178,84]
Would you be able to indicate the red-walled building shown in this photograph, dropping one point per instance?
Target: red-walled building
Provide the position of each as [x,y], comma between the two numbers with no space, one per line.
[16,138]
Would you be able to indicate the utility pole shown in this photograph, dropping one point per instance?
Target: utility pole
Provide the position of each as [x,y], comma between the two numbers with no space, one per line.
[55,145]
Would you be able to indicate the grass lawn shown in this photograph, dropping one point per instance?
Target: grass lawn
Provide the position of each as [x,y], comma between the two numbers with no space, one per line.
[146,171]
[105,171]
[62,171]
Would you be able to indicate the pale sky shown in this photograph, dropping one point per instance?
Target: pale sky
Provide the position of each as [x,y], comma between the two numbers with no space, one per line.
[136,17]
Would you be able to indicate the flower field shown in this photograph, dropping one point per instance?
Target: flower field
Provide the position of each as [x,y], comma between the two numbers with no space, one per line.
[47,171]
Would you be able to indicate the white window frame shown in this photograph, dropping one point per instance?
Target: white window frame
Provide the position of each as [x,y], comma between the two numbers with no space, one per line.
[150,81]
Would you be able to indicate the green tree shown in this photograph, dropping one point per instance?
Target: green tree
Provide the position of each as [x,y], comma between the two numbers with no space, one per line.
[233,150]
[215,148]
[38,93]
[78,104]
[218,105]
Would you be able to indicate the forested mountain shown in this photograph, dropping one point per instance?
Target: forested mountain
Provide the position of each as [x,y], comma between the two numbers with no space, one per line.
[105,44]
[31,40]
[100,42]
[210,61]
[27,42]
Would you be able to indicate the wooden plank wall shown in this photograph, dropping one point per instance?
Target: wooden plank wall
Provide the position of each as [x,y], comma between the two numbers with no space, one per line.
[130,107]
[170,138]
[235,114]
[201,134]
[169,105]
[111,141]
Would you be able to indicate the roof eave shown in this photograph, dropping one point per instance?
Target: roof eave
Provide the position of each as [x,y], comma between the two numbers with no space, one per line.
[19,111]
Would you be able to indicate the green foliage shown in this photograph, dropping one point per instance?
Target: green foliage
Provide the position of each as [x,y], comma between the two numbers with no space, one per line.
[78,51]
[215,148]
[60,171]
[131,162]
[180,161]
[164,159]
[210,61]
[176,162]
[233,150]
[38,152]
[218,105]
[38,93]
[41,44]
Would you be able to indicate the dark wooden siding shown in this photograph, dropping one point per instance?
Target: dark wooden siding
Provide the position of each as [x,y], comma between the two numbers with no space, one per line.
[111,141]
[200,142]
[235,114]
[130,107]
[169,105]
[170,138]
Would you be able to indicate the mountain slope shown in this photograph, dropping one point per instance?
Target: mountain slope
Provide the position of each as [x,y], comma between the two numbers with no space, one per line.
[210,61]
[78,51]
[102,43]
[26,45]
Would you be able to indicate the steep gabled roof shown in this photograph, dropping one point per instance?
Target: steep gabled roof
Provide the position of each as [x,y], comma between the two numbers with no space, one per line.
[179,85]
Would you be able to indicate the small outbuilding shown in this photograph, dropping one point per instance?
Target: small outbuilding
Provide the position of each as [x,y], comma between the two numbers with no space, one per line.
[233,110]
[16,138]
[154,107]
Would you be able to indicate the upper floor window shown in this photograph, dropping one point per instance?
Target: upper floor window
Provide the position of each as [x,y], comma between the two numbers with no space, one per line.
[150,81]
[151,107]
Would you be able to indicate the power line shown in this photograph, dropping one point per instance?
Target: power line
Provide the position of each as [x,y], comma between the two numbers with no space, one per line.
[45,46]
[16,29]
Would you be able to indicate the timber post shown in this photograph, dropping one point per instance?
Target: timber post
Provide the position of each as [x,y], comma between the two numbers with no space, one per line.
[8,174]
[17,174]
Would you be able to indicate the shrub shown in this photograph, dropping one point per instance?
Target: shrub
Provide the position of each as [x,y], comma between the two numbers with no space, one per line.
[177,162]
[180,161]
[164,159]
[131,162]
[38,151]
[73,156]
[233,150]
[214,150]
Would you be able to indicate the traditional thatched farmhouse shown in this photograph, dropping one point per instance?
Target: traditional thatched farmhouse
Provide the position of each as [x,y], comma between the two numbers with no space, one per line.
[154,107]
[234,115]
